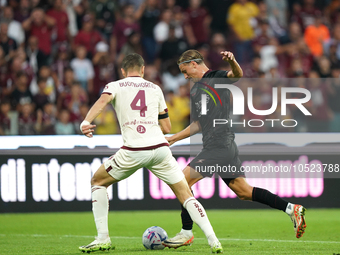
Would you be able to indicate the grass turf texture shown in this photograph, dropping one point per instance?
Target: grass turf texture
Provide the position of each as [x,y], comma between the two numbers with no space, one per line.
[240,232]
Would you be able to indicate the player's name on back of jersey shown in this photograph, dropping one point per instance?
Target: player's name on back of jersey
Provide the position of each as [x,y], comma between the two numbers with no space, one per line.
[137,85]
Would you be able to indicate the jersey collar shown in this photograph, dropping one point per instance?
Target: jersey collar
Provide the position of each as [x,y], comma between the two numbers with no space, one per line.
[206,73]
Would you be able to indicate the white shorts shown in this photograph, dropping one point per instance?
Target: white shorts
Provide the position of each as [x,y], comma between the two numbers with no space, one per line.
[159,161]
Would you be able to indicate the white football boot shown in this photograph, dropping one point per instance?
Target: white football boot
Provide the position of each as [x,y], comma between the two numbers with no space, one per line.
[97,245]
[298,219]
[180,239]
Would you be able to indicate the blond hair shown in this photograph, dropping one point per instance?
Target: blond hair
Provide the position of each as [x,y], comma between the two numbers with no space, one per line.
[190,55]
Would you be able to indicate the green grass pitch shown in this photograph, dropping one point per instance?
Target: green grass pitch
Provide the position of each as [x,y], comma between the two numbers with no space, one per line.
[240,232]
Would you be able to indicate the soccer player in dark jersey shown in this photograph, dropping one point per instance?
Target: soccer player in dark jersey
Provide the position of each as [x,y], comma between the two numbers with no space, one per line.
[218,142]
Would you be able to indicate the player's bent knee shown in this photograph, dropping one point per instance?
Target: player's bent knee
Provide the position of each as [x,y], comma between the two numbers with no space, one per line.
[95,181]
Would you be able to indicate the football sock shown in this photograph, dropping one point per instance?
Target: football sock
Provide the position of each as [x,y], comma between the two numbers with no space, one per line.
[289,209]
[266,197]
[200,217]
[186,219]
[187,233]
[100,208]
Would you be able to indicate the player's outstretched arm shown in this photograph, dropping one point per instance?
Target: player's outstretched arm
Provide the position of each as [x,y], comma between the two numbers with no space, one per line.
[192,129]
[85,127]
[236,70]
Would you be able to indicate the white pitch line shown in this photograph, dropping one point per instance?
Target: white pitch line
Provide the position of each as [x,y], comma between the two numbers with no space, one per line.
[199,238]
[274,240]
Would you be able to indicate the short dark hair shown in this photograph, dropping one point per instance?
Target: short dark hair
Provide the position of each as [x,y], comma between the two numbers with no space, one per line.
[132,61]
[41,80]
[20,73]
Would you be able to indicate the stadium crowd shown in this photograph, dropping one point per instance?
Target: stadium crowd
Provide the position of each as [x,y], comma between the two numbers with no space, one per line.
[57,56]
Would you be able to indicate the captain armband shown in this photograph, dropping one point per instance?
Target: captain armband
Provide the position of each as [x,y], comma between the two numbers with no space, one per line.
[163,116]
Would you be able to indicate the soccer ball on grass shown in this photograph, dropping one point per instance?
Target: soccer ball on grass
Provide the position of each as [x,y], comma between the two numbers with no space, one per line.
[153,238]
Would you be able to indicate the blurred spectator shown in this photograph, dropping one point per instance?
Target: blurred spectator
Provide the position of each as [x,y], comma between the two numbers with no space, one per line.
[36,58]
[181,25]
[217,44]
[263,37]
[148,14]
[75,99]
[12,3]
[199,20]
[47,119]
[83,69]
[60,64]
[241,18]
[51,83]
[323,67]
[15,30]
[8,44]
[172,78]
[171,49]
[152,74]
[41,98]
[269,54]
[305,15]
[253,70]
[27,120]
[81,8]
[334,43]
[5,122]
[63,125]
[69,79]
[23,11]
[277,10]
[103,70]
[21,94]
[67,83]
[333,100]
[217,10]
[77,118]
[40,25]
[179,109]
[161,30]
[122,30]
[133,45]
[62,34]
[332,54]
[105,13]
[332,12]
[3,73]
[294,33]
[106,122]
[298,54]
[17,65]
[134,3]
[72,7]
[275,28]
[316,35]
[87,36]
[43,4]
[321,113]
[296,69]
